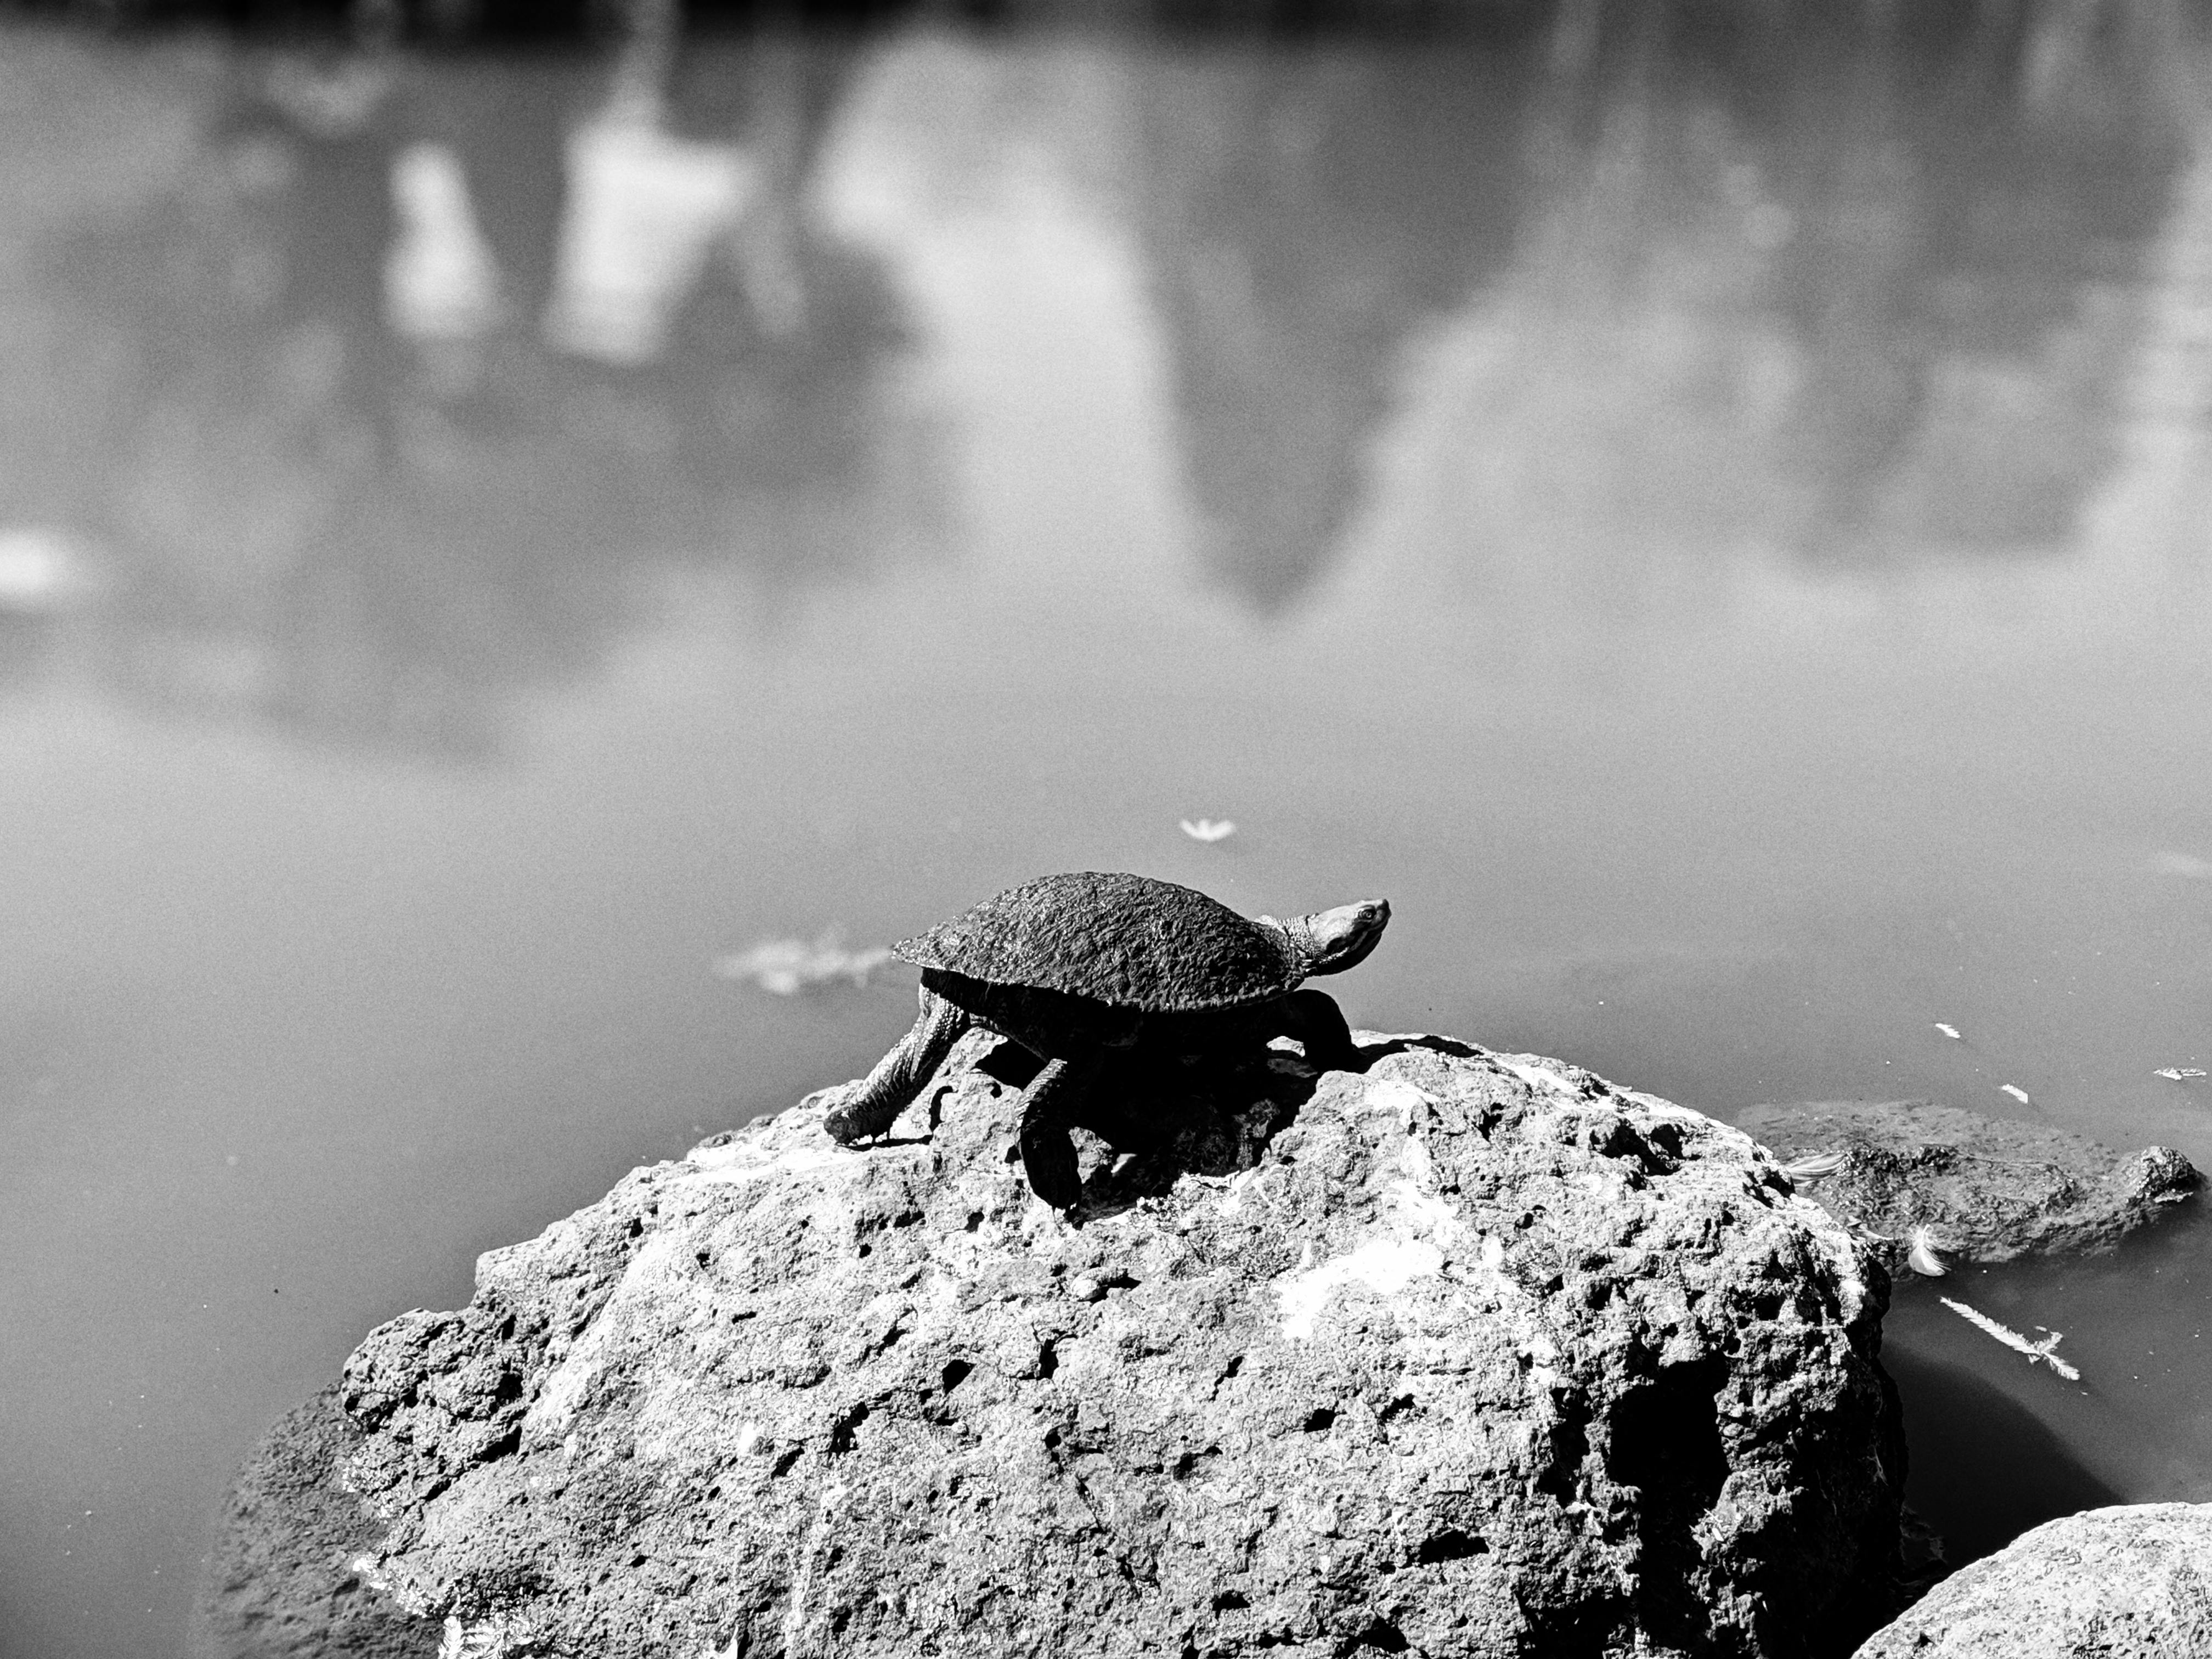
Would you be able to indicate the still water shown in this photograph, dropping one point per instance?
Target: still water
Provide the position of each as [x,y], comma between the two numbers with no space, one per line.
[1711,522]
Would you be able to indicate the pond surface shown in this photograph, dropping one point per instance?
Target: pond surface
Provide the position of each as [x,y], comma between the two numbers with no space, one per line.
[1711,524]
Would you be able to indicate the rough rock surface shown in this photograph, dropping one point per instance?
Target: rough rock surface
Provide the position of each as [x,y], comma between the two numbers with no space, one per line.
[2131,1582]
[1473,1354]
[1984,1188]
[281,1582]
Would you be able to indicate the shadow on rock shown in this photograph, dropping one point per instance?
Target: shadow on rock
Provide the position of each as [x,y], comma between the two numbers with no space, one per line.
[281,1582]
[1984,1468]
[1149,1123]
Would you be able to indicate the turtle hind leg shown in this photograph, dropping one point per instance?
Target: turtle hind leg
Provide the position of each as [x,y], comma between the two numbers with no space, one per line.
[871,1107]
[1314,1019]
[1048,1107]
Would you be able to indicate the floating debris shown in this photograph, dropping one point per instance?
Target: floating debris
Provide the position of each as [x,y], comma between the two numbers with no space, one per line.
[786,967]
[1920,1254]
[1950,1031]
[2177,1073]
[2016,1092]
[2013,1339]
[1208,829]
[1816,1167]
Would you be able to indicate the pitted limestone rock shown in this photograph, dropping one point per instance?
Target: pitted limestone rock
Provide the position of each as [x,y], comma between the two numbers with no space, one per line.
[2130,1581]
[1472,1355]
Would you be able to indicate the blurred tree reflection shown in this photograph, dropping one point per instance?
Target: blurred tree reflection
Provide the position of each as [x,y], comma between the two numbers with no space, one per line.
[1865,285]
[1306,210]
[345,479]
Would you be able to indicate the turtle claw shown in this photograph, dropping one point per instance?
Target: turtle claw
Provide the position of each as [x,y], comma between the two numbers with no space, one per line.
[1048,1161]
[836,1103]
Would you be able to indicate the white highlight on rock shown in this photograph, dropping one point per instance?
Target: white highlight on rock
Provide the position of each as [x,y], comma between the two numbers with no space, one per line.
[1244,1184]
[736,1160]
[2013,1339]
[802,1583]
[1383,1264]
[1542,1078]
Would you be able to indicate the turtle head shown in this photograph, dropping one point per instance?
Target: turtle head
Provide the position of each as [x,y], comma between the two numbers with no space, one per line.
[1330,941]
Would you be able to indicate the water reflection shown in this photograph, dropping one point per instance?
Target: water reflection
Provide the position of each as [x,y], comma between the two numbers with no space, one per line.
[393,396]
[1861,290]
[1304,212]
[415,365]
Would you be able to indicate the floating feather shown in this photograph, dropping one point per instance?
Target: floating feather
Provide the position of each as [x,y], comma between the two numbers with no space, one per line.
[1950,1031]
[1816,1167]
[1920,1254]
[2177,1072]
[1208,829]
[2013,1339]
[2016,1092]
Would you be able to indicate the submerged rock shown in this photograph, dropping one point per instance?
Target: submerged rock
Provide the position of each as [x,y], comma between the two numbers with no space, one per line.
[1976,1188]
[2131,1582]
[1473,1354]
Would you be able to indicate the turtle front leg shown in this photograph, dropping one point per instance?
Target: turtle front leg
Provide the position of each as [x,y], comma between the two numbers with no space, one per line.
[874,1105]
[1048,1107]
[1314,1019]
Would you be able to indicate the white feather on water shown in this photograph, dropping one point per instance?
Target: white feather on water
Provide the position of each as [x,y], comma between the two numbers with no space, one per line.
[1920,1254]
[2013,1339]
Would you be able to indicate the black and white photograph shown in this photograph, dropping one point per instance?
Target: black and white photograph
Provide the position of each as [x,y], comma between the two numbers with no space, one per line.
[1105,829]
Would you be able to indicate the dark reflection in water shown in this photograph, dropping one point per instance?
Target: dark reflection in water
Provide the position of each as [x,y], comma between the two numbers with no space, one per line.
[1984,1468]
[1304,212]
[1864,288]
[362,469]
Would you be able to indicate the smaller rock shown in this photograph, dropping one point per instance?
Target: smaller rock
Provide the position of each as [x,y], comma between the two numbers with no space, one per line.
[1976,1188]
[2130,1581]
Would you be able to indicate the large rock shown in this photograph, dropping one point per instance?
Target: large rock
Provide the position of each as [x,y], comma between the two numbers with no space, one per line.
[2131,1582]
[1472,1355]
[1977,1188]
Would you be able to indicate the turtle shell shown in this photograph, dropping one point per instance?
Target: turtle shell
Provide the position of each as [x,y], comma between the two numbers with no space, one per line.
[1126,940]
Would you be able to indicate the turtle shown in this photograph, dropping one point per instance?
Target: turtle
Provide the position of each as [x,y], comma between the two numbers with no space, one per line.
[1079,966]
